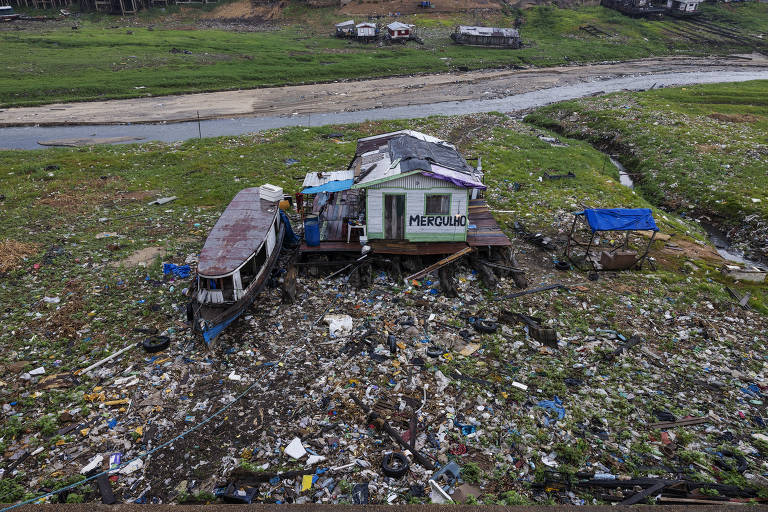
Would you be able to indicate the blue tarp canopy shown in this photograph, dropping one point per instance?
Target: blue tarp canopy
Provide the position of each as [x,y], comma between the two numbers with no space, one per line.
[620,219]
[331,186]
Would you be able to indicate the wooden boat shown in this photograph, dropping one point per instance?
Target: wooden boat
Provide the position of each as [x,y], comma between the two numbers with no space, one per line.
[236,262]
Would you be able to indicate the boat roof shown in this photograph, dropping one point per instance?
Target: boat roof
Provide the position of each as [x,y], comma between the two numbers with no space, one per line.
[240,230]
[488,31]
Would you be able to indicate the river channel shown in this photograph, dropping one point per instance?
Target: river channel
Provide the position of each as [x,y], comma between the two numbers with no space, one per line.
[27,137]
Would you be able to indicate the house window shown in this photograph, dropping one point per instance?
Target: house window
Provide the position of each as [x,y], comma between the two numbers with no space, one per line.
[438,204]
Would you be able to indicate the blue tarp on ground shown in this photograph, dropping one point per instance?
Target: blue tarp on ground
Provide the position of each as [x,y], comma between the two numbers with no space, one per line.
[331,186]
[620,219]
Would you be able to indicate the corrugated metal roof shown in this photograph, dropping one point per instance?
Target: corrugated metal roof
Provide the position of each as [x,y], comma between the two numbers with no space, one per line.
[365,24]
[406,154]
[345,23]
[314,179]
[396,25]
[367,144]
[488,31]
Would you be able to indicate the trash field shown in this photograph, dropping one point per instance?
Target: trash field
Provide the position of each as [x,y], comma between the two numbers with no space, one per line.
[636,387]
[652,378]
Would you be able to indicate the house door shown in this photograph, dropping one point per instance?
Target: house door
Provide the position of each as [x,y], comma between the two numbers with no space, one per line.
[394,216]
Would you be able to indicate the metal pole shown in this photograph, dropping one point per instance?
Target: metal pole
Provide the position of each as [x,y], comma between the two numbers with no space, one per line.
[199,131]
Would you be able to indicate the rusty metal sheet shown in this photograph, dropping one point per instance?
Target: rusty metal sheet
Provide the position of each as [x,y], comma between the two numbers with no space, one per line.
[237,234]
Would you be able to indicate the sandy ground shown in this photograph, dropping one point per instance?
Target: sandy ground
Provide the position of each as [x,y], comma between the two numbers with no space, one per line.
[356,95]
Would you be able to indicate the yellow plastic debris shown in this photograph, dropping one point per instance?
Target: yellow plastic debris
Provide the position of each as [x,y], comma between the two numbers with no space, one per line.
[247,454]
[85,431]
[118,402]
[306,482]
[139,430]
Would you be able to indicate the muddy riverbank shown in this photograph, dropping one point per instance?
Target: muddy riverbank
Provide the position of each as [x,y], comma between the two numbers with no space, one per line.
[407,92]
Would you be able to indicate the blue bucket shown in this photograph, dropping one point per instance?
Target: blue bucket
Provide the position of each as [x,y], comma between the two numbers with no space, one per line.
[312,231]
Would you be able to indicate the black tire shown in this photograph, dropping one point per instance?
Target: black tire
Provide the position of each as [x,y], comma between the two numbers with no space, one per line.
[156,344]
[395,465]
[563,266]
[434,351]
[485,326]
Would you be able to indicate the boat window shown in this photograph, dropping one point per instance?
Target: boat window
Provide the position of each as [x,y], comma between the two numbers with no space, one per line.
[248,272]
[228,287]
[261,258]
[212,284]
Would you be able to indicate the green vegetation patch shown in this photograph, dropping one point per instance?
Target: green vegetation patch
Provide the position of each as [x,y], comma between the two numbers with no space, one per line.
[148,55]
[699,150]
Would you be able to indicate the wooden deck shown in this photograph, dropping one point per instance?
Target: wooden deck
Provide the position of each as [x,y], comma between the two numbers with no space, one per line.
[485,233]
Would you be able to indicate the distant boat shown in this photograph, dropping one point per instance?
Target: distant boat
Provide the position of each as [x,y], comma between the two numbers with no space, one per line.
[236,262]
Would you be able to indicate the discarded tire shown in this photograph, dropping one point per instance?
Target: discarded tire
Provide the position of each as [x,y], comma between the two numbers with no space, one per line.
[562,265]
[433,351]
[485,326]
[394,464]
[156,343]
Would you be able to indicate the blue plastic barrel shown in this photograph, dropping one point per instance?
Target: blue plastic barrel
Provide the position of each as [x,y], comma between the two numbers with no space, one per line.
[311,231]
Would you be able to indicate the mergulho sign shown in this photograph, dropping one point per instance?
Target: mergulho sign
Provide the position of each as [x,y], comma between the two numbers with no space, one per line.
[437,221]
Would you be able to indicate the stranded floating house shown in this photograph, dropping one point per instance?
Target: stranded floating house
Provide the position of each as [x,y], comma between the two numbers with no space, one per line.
[404,192]
[487,36]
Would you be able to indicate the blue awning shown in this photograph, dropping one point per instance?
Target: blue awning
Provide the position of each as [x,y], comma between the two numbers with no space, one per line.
[331,186]
[620,219]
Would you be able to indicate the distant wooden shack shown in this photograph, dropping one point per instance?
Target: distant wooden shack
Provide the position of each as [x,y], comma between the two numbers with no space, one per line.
[397,31]
[345,29]
[640,8]
[487,36]
[365,31]
[683,8]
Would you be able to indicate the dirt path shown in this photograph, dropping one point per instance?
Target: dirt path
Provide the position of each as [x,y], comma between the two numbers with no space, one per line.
[357,95]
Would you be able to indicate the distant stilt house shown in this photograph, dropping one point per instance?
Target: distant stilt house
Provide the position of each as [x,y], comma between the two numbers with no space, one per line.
[365,31]
[345,29]
[644,8]
[683,8]
[397,31]
[487,36]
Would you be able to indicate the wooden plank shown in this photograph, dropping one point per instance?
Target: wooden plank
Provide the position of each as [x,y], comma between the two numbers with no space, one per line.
[664,499]
[443,262]
[685,422]
[638,497]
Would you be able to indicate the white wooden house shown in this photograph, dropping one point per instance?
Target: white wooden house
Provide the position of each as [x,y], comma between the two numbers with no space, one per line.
[365,30]
[417,187]
[683,7]
[398,31]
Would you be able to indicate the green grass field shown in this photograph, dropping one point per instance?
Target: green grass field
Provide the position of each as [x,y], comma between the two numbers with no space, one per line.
[699,150]
[106,58]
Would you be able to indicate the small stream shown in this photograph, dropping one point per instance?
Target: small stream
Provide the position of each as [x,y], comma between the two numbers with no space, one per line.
[624,178]
[716,236]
